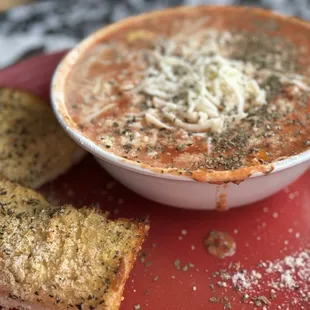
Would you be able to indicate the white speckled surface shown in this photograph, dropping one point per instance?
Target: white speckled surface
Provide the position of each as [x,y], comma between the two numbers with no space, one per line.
[57,24]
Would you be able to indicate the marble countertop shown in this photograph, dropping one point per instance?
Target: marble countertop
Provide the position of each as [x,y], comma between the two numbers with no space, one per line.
[48,26]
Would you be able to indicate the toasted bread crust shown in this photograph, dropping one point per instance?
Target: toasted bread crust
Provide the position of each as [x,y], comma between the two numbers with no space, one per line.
[60,257]
[34,149]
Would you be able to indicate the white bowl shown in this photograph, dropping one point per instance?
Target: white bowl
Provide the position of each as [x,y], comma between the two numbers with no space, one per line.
[174,190]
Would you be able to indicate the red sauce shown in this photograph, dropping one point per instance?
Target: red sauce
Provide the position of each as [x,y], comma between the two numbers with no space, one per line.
[221,198]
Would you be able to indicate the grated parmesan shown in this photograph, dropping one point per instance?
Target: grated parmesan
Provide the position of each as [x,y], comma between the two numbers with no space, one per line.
[197,92]
[289,276]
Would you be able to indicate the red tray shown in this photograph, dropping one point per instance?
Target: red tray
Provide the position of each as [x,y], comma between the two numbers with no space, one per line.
[267,230]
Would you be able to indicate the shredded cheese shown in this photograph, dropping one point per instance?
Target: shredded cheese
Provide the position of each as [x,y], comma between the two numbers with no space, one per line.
[99,112]
[197,92]
[300,81]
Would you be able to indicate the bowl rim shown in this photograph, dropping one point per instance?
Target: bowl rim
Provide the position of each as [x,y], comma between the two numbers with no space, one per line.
[58,104]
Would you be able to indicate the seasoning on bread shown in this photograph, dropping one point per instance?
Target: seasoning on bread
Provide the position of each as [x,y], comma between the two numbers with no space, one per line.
[33,147]
[61,257]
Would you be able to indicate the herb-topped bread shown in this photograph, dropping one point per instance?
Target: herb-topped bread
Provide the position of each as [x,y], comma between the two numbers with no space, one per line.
[61,257]
[33,147]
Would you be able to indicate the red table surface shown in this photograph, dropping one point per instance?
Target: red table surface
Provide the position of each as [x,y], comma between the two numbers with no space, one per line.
[259,234]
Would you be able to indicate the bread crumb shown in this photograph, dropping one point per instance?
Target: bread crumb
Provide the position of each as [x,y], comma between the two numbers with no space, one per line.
[291,196]
[184,232]
[70,193]
[120,201]
[110,185]
[275,215]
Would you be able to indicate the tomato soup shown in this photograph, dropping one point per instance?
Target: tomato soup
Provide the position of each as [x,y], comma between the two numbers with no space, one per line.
[196,89]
